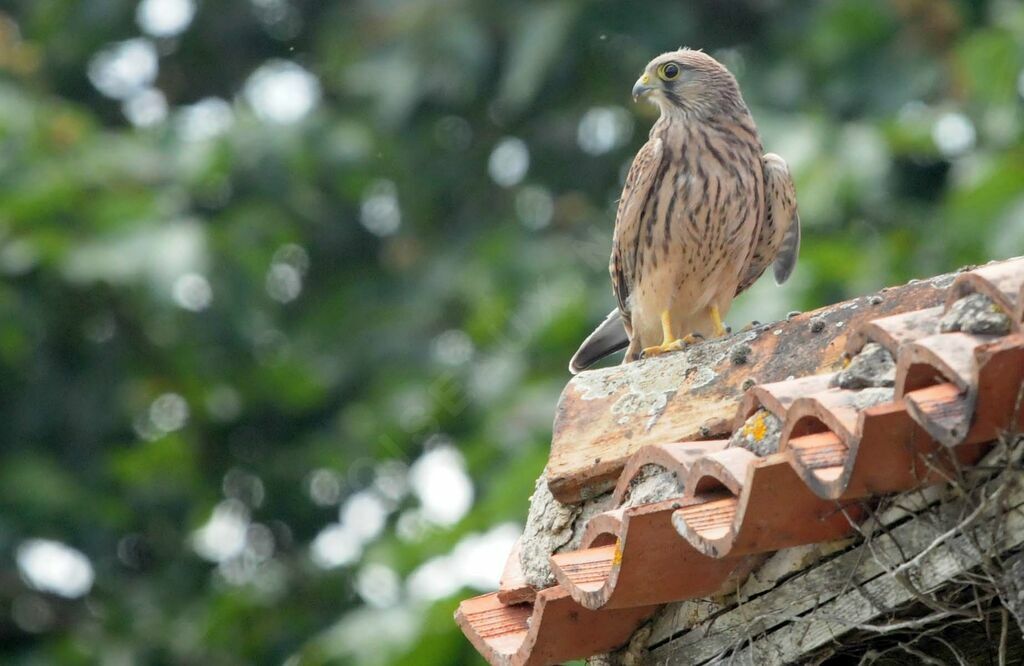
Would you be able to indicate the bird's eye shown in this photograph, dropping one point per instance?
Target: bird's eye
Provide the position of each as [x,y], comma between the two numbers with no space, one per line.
[668,71]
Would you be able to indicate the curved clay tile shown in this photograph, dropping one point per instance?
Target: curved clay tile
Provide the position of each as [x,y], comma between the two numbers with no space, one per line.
[1000,389]
[937,376]
[513,587]
[778,396]
[936,359]
[604,528]
[942,410]
[675,457]
[1003,282]
[551,630]
[822,434]
[841,465]
[720,470]
[775,509]
[895,331]
[619,573]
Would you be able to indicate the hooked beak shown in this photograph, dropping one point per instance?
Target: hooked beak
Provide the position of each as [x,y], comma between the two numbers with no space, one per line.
[642,86]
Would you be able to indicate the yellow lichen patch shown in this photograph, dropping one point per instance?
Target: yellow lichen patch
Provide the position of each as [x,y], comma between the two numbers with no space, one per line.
[617,555]
[756,427]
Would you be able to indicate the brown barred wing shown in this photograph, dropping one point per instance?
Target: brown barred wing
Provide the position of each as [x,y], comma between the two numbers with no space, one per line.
[628,223]
[778,242]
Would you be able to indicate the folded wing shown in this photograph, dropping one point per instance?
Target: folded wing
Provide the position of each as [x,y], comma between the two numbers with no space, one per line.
[614,333]
[628,223]
[778,242]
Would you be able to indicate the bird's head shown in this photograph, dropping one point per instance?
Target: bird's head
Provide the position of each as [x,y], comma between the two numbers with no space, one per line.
[688,81]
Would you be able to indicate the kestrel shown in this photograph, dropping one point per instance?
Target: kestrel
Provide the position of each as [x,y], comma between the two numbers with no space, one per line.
[702,214]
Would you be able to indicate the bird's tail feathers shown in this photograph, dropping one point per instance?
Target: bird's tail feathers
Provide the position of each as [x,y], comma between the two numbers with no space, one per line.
[785,260]
[606,339]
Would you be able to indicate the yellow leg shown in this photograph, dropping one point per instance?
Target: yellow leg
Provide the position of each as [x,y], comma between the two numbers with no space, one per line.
[716,319]
[666,329]
[669,342]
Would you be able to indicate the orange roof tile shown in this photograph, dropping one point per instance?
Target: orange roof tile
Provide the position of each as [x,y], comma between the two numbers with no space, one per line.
[954,393]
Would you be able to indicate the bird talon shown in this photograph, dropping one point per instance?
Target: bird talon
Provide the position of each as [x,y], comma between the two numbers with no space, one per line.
[651,352]
[674,345]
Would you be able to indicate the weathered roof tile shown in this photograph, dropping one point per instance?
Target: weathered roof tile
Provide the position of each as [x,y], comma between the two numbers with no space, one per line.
[955,393]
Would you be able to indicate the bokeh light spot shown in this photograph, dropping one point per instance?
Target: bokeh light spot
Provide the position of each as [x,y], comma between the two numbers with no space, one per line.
[953,134]
[208,118]
[380,212]
[123,69]
[509,162]
[441,484]
[535,207]
[51,566]
[336,545]
[604,128]
[476,561]
[281,91]
[378,585]
[146,108]
[169,412]
[192,292]
[284,283]
[324,487]
[165,18]
[224,534]
[364,514]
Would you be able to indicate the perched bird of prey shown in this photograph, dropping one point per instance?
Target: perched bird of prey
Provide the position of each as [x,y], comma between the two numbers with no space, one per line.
[702,214]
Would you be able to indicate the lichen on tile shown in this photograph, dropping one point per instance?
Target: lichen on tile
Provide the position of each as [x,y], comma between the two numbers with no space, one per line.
[760,433]
[549,525]
[975,313]
[872,367]
[644,389]
[552,527]
[652,483]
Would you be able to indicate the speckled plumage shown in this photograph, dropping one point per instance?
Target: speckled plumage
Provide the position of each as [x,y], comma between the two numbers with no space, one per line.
[703,212]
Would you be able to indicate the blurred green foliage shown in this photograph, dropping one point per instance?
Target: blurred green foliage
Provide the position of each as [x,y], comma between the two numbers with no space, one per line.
[240,300]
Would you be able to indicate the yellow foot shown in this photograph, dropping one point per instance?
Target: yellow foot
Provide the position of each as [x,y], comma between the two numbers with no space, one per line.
[674,345]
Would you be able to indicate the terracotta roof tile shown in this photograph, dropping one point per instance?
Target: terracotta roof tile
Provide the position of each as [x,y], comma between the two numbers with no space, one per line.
[552,629]
[895,331]
[954,393]
[722,469]
[613,572]
[778,396]
[676,458]
[693,394]
[513,587]
[775,509]
[1002,281]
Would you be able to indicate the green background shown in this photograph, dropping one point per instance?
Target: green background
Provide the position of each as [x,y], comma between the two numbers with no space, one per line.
[254,359]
